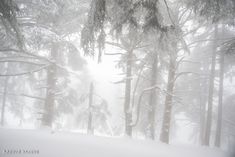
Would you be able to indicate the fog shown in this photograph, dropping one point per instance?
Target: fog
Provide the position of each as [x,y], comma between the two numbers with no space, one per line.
[141,74]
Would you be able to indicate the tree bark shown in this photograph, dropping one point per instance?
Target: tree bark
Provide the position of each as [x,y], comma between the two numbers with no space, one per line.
[152,97]
[48,114]
[211,89]
[127,103]
[4,98]
[90,126]
[220,103]
[203,100]
[164,137]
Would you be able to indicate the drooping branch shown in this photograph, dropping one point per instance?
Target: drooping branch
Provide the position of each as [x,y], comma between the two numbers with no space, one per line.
[24,52]
[8,9]
[204,40]
[26,73]
[169,14]
[21,61]
[139,102]
[146,90]
[115,44]
[184,73]
[137,83]
[25,95]
[93,32]
[112,54]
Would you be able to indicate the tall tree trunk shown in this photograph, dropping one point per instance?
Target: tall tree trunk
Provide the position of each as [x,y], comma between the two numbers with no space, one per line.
[164,137]
[202,121]
[48,114]
[221,87]
[4,97]
[89,126]
[211,89]
[203,100]
[152,97]
[127,104]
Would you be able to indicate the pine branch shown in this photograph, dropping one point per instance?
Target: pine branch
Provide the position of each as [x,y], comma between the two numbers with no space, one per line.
[111,54]
[168,11]
[25,95]
[25,73]
[115,44]
[21,61]
[184,73]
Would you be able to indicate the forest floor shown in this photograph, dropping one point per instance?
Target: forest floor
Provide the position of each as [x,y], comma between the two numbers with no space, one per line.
[45,143]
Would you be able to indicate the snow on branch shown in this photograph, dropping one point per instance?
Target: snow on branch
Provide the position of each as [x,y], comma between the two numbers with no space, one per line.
[26,73]
[185,73]
[21,61]
[25,95]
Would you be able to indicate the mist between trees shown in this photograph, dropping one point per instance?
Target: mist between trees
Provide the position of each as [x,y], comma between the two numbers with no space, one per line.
[173,59]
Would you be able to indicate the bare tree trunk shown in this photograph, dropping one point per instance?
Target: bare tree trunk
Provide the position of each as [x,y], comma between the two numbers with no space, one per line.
[202,121]
[127,104]
[152,97]
[203,100]
[221,87]
[164,137]
[211,89]
[4,97]
[21,115]
[89,126]
[48,115]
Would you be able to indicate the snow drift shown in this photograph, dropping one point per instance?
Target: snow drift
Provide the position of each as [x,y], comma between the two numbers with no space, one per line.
[43,143]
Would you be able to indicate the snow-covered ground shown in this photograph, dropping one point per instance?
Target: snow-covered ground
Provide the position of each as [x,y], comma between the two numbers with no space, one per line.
[44,143]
